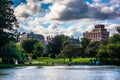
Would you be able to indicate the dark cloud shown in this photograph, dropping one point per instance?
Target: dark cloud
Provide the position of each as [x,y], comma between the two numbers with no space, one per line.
[78,9]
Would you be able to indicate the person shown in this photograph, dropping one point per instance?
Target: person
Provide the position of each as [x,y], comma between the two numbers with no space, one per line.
[94,61]
[52,63]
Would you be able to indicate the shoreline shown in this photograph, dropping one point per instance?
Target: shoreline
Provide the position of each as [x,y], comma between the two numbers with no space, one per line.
[5,66]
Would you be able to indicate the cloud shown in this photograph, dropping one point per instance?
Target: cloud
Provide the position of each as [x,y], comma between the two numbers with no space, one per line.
[31,8]
[112,28]
[96,1]
[81,14]
[78,9]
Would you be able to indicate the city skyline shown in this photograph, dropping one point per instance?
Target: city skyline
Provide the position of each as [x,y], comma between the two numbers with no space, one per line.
[69,17]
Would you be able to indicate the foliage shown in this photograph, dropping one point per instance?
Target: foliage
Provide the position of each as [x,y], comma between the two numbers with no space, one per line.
[8,22]
[102,52]
[115,38]
[109,52]
[54,47]
[28,45]
[68,51]
[38,49]
[85,43]
[92,49]
[0,60]
[10,51]
[118,29]
[114,50]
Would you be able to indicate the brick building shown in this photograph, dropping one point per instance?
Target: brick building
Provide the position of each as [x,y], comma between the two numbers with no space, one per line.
[99,33]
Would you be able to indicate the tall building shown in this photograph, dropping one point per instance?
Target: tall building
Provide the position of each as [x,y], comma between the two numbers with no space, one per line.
[99,33]
[31,35]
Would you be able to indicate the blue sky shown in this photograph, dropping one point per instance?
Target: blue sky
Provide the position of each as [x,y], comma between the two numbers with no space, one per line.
[69,17]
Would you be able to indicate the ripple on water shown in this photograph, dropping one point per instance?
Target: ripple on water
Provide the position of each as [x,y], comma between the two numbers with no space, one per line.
[61,73]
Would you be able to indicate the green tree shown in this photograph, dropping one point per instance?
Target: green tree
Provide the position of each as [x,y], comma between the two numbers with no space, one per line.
[10,51]
[118,29]
[85,43]
[109,54]
[28,45]
[113,50]
[38,49]
[92,49]
[103,54]
[8,22]
[68,52]
[115,38]
[55,46]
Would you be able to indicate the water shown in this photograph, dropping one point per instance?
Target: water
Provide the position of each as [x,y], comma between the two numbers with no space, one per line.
[61,73]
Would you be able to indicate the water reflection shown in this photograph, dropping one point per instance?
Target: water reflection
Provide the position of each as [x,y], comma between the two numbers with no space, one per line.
[62,73]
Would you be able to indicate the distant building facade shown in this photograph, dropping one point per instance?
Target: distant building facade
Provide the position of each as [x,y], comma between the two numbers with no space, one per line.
[99,33]
[48,39]
[74,41]
[31,35]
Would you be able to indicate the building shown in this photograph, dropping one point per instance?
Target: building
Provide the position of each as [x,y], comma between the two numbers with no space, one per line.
[74,41]
[48,39]
[31,35]
[99,33]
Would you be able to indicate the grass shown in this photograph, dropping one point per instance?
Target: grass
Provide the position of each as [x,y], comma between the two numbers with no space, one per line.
[43,62]
[60,61]
[0,60]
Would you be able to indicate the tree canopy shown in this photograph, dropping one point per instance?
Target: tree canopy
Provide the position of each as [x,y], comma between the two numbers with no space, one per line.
[55,46]
[28,45]
[8,22]
[110,53]
[38,49]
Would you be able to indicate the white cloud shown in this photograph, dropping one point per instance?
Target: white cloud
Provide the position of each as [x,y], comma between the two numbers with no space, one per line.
[112,28]
[107,10]
[97,1]
[24,10]
[78,9]
[80,13]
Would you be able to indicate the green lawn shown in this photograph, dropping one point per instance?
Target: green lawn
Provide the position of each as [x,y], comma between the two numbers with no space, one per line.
[44,60]
[0,59]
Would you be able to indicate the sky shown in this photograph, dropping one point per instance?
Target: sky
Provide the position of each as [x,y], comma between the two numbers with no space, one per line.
[69,17]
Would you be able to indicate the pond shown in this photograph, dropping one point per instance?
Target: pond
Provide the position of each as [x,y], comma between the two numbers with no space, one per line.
[61,73]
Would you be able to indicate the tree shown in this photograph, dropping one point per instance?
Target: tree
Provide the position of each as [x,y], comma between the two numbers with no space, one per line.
[109,54]
[85,43]
[8,22]
[28,45]
[68,52]
[111,51]
[118,29]
[55,46]
[114,50]
[38,49]
[116,37]
[10,51]
[92,49]
[103,54]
